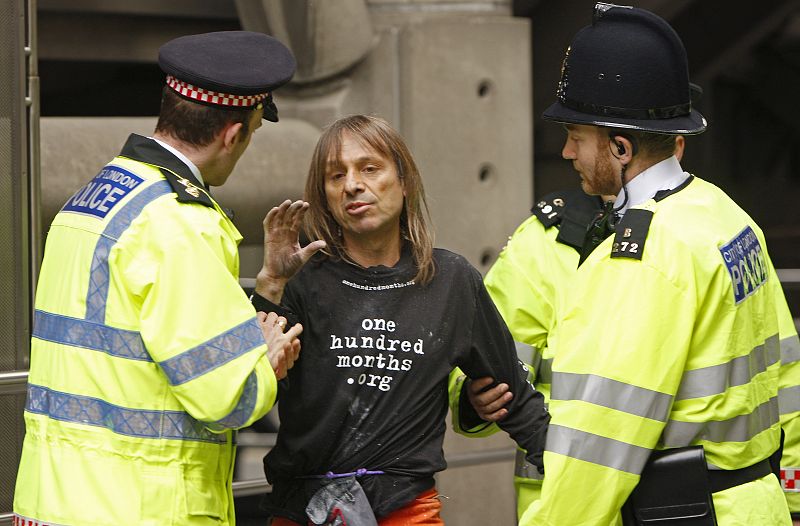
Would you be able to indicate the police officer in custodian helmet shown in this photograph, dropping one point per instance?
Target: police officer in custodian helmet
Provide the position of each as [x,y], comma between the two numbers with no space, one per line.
[668,353]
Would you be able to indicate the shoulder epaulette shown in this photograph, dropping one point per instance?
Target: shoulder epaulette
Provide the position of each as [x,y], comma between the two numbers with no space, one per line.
[186,190]
[549,210]
[572,210]
[631,234]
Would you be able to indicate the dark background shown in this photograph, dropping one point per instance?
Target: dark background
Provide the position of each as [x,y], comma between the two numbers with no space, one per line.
[745,56]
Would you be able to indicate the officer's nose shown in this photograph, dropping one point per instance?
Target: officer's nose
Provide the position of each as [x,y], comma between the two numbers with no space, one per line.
[568,151]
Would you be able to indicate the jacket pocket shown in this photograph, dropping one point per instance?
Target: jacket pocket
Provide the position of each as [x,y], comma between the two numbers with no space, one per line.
[159,498]
[204,498]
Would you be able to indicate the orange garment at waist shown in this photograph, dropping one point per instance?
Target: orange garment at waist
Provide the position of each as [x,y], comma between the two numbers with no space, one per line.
[422,511]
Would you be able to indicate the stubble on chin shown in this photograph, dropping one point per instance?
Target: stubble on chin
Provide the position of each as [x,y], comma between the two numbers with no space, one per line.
[606,178]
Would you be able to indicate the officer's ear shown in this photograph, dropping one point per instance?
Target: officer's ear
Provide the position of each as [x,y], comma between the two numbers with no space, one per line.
[622,147]
[230,134]
[680,144]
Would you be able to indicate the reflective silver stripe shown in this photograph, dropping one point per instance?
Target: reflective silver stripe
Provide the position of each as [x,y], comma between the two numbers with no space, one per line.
[737,429]
[544,375]
[527,353]
[790,350]
[214,353]
[89,335]
[789,400]
[530,355]
[142,423]
[717,379]
[524,469]
[612,394]
[596,449]
[100,275]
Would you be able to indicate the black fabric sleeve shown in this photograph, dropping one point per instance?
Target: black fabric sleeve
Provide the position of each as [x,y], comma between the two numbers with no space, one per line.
[262,304]
[492,353]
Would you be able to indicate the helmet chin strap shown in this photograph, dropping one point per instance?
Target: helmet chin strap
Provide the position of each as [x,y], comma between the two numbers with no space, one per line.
[634,150]
[611,141]
[624,190]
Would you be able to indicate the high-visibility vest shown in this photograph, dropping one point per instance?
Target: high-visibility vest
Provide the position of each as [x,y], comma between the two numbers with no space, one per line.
[145,354]
[528,283]
[789,402]
[670,338]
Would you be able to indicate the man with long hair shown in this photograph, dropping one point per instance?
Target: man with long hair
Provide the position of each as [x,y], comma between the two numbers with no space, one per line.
[387,316]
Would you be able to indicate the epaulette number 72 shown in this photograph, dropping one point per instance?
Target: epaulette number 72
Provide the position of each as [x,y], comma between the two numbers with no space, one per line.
[631,234]
[625,246]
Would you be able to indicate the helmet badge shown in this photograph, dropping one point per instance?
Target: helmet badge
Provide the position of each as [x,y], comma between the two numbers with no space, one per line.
[563,83]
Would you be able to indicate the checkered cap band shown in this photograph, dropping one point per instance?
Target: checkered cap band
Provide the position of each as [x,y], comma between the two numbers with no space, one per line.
[214,97]
[790,479]
[19,520]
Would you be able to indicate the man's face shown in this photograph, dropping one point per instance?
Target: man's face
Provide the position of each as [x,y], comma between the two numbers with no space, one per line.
[228,163]
[364,192]
[589,150]
[243,140]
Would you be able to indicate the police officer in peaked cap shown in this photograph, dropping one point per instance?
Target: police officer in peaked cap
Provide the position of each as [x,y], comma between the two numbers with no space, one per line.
[146,354]
[668,387]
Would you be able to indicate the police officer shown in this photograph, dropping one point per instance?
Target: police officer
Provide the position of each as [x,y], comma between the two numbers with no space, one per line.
[671,335]
[527,284]
[146,353]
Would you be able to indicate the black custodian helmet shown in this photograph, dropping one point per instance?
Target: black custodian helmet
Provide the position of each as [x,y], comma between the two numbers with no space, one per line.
[627,70]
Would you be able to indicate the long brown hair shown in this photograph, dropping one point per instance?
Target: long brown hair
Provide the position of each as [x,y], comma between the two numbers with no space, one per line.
[378,135]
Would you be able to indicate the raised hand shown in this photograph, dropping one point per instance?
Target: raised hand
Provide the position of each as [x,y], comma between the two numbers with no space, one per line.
[283,255]
[489,404]
[282,348]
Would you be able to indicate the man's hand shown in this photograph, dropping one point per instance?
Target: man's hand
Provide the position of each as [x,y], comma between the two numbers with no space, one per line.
[489,404]
[283,255]
[282,348]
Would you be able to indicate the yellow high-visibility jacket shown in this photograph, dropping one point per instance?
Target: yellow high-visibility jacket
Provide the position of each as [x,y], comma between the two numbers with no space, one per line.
[670,339]
[789,403]
[528,283]
[145,354]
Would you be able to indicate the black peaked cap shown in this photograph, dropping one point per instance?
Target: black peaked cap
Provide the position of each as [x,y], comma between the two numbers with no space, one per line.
[241,68]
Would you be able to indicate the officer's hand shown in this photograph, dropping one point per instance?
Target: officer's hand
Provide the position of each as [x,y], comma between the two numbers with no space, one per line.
[489,404]
[282,348]
[283,255]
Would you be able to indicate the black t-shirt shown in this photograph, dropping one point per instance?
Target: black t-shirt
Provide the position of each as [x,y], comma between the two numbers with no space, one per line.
[370,387]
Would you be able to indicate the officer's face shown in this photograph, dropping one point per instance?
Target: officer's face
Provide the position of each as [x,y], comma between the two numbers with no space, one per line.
[244,138]
[241,141]
[588,149]
[364,193]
